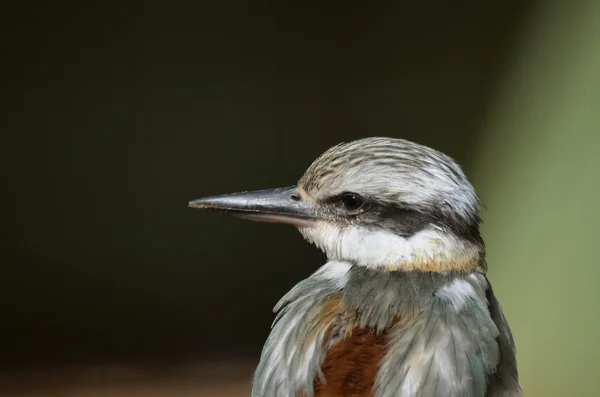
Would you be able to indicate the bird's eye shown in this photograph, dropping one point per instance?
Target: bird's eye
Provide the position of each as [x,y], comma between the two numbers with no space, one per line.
[352,201]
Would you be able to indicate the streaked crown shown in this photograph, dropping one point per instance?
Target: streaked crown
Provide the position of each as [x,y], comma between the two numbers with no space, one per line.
[395,171]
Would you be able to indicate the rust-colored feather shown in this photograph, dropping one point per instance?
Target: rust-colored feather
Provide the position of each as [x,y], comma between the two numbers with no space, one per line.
[351,365]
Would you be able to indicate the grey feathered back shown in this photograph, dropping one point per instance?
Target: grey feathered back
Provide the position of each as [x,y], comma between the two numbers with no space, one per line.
[292,357]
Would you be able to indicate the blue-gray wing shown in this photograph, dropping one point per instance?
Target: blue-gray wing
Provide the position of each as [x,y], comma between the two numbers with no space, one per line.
[458,345]
[505,381]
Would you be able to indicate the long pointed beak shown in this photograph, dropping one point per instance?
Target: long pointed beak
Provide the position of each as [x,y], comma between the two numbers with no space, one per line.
[283,205]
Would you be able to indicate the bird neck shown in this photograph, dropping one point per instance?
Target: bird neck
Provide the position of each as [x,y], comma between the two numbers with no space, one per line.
[431,250]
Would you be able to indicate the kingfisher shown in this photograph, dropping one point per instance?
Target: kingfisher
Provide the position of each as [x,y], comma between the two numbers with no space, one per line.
[402,307]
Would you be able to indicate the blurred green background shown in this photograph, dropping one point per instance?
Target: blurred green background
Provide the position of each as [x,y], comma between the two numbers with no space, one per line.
[119,113]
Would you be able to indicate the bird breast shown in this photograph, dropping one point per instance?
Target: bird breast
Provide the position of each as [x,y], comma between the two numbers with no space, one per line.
[353,331]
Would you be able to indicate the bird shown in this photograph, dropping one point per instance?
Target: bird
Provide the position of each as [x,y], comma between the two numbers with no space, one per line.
[402,307]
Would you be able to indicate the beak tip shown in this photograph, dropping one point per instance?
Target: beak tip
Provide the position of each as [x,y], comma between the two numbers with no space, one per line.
[197,204]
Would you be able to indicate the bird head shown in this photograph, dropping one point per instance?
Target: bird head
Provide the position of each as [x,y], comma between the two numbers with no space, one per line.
[382,203]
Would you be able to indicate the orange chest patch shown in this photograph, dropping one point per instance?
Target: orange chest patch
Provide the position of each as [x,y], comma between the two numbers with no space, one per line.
[350,366]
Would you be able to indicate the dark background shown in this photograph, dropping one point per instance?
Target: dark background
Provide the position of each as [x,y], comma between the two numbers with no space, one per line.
[118,114]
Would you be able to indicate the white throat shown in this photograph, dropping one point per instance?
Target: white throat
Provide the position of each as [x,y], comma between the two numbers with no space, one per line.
[432,249]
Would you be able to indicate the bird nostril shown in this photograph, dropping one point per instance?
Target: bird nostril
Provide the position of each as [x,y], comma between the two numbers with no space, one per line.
[294,197]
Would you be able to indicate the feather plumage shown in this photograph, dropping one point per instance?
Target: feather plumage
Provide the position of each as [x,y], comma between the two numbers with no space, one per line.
[438,329]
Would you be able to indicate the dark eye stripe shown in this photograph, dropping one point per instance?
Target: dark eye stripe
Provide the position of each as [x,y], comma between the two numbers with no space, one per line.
[405,221]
